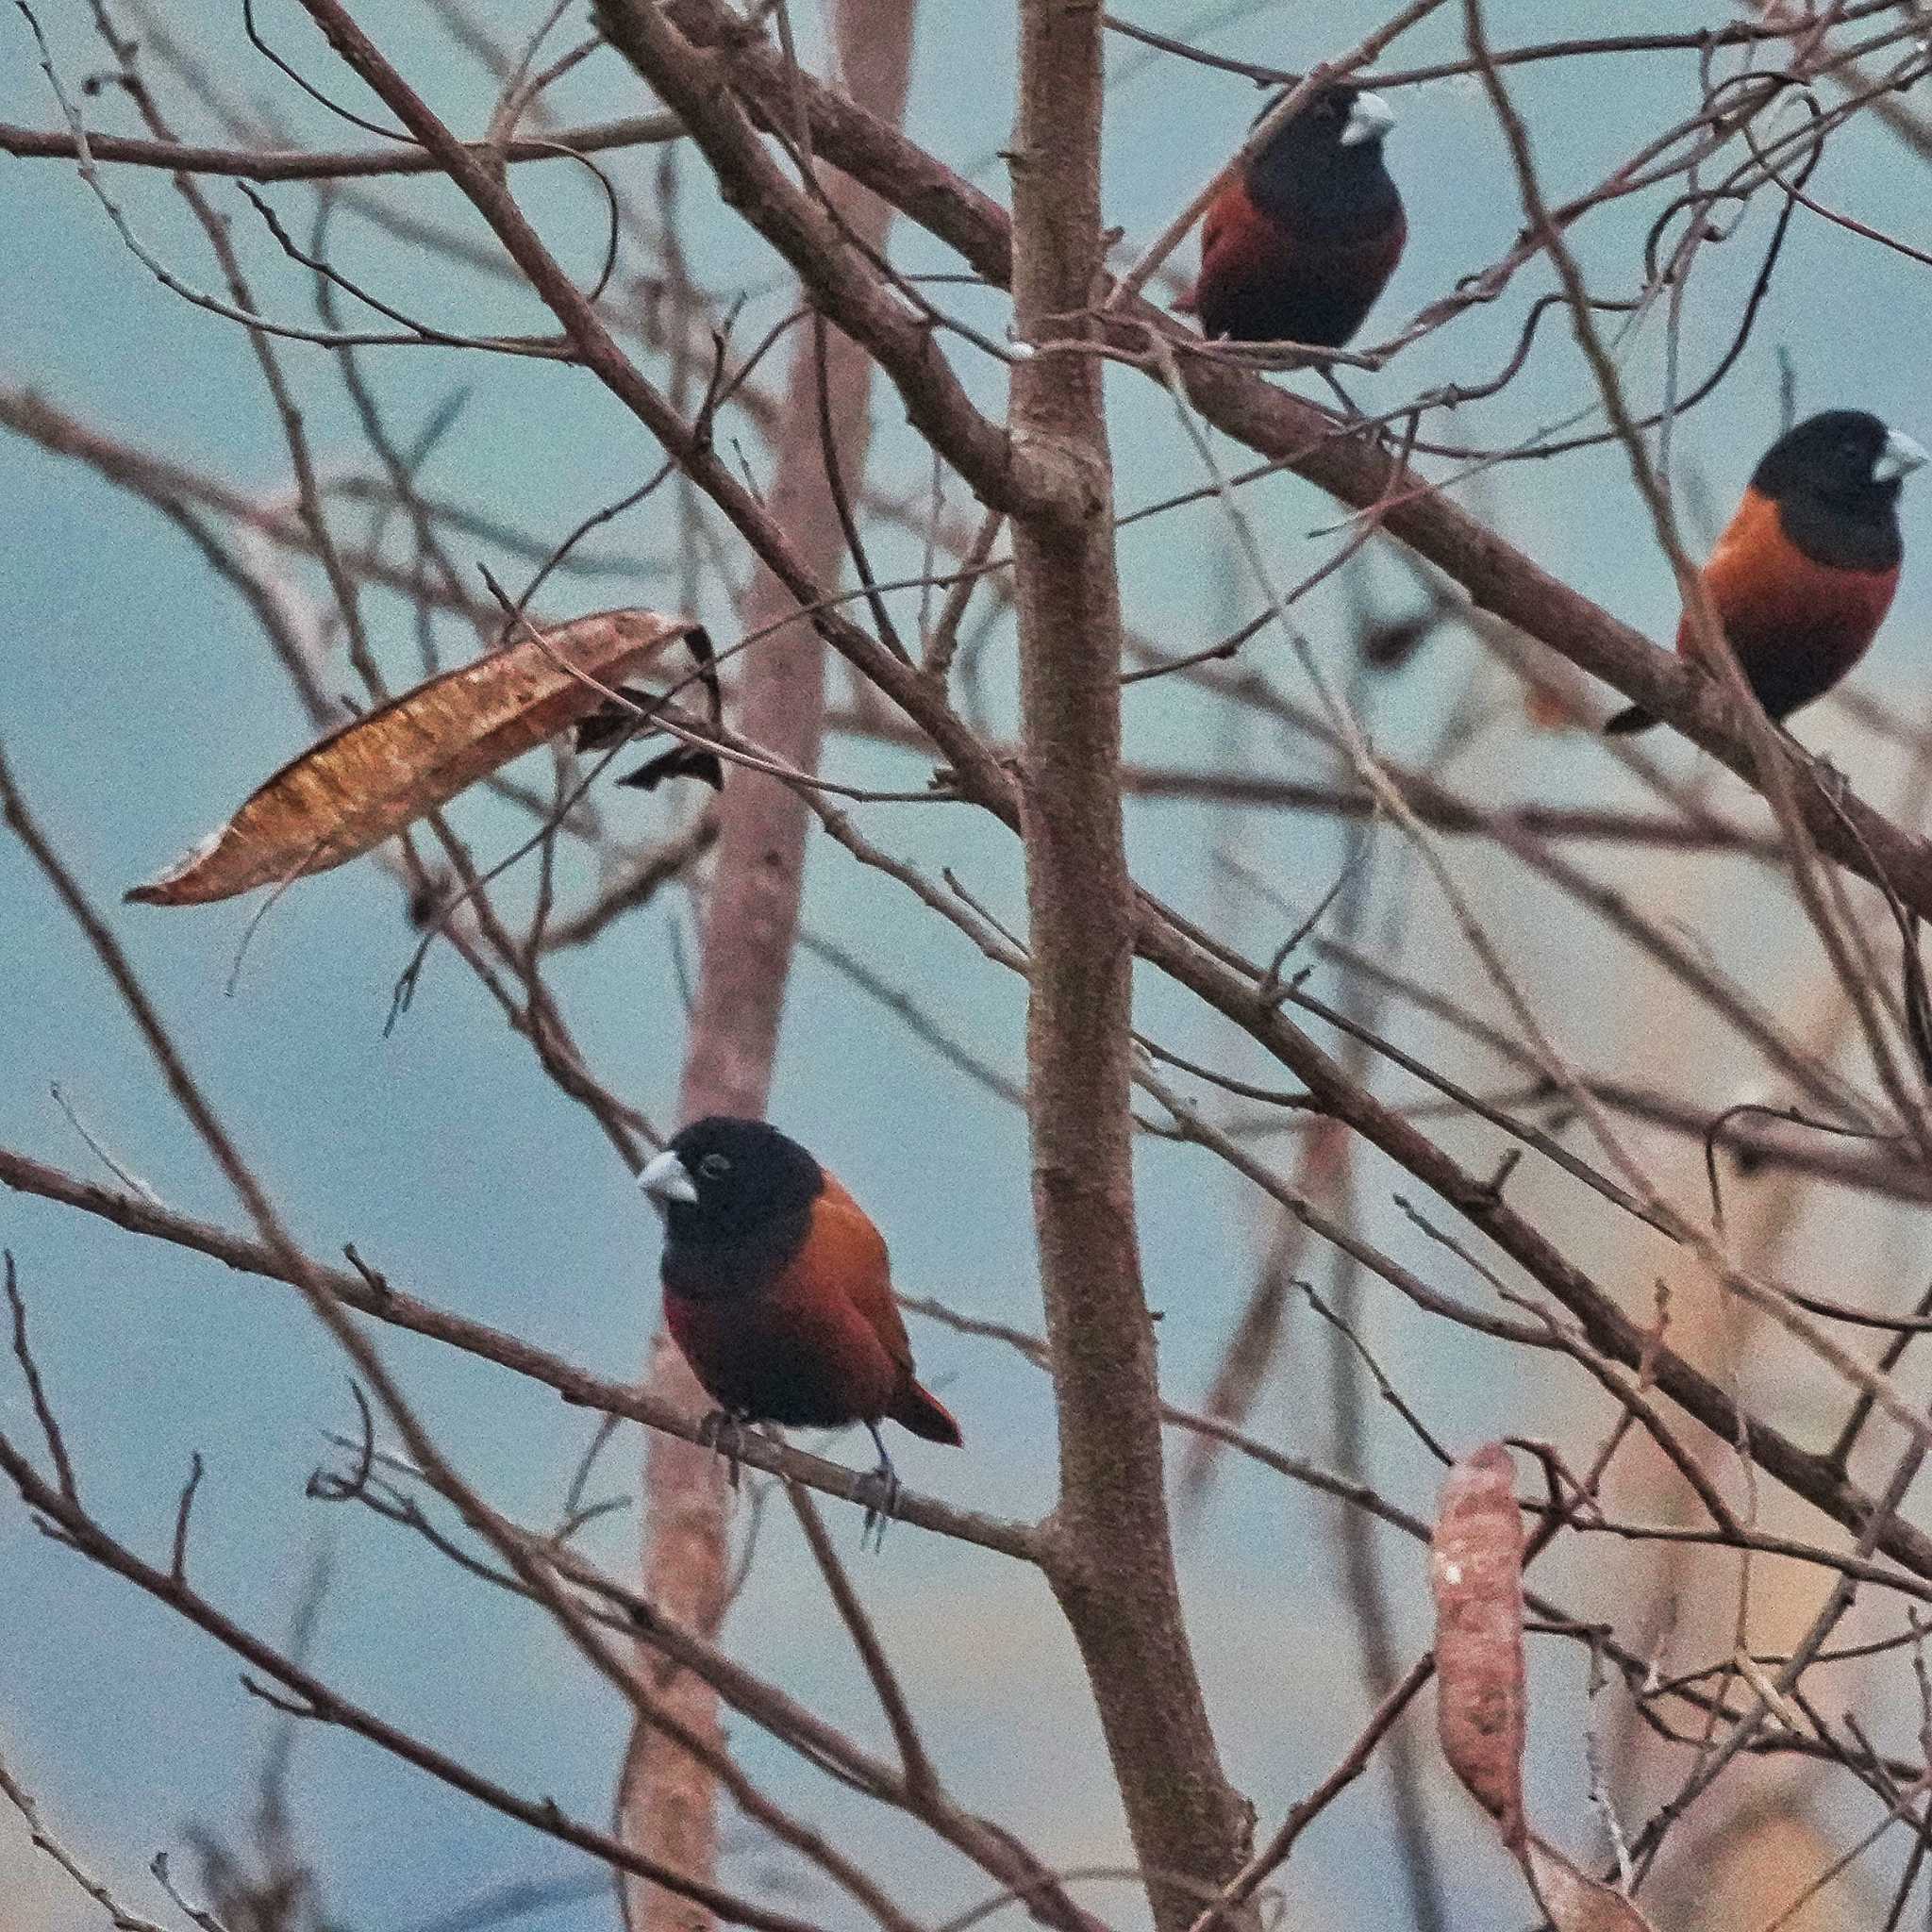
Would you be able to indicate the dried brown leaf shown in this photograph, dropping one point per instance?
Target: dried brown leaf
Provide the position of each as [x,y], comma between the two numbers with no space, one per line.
[365,782]
[1475,1570]
[1575,1901]
[1550,709]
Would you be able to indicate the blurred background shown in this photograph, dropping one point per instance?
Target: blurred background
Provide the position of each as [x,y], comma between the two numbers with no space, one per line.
[139,706]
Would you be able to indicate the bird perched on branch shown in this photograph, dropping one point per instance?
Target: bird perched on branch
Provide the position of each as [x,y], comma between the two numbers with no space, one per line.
[1803,575]
[778,1291]
[1297,248]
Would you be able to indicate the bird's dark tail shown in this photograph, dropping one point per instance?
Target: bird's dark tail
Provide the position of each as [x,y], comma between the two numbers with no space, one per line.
[1624,723]
[924,1414]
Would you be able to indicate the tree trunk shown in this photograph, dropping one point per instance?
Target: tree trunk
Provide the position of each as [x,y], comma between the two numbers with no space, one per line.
[1112,1561]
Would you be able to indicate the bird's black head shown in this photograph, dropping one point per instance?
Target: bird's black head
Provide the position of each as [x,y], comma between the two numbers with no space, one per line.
[723,1183]
[1327,162]
[1834,478]
[1844,457]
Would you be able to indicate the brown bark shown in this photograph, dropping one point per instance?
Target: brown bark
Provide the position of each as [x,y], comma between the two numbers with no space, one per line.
[669,1800]
[1111,1561]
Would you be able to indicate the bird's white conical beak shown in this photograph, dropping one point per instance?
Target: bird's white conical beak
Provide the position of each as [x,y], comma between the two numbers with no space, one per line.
[665,1180]
[1368,119]
[1900,457]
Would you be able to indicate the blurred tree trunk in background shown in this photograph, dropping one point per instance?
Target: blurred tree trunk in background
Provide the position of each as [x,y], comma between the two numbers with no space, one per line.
[668,1803]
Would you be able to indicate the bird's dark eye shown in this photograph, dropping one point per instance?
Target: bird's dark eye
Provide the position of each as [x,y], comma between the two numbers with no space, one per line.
[714,1167]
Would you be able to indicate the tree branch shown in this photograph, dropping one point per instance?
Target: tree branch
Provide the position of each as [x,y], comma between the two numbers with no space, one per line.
[1351,465]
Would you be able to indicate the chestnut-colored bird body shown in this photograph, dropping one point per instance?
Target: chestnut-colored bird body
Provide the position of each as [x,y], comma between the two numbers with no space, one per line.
[1798,625]
[778,1286]
[1301,243]
[1805,571]
[820,1344]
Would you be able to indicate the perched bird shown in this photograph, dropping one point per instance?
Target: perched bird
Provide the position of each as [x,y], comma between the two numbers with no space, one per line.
[778,1289]
[1297,248]
[1802,576]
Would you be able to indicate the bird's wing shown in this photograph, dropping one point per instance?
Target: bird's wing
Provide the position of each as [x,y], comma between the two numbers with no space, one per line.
[848,1253]
[1220,211]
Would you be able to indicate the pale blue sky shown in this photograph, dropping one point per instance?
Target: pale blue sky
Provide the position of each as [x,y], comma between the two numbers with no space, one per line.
[139,706]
